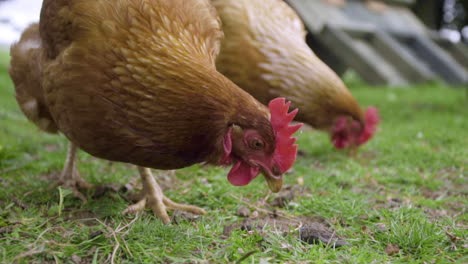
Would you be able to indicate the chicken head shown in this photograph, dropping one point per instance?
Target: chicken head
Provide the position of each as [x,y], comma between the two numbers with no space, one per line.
[253,153]
[348,132]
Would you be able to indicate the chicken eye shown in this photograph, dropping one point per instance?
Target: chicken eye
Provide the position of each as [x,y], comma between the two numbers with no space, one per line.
[257,144]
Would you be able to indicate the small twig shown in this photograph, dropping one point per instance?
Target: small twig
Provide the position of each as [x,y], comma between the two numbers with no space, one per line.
[126,232]
[33,248]
[114,235]
[116,247]
[42,233]
[29,253]
[330,240]
[129,224]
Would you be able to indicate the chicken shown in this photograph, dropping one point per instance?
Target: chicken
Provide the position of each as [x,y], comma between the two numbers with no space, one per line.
[135,81]
[264,52]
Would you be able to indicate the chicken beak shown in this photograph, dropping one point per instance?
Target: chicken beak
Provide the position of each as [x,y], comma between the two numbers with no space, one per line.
[273,178]
[275,184]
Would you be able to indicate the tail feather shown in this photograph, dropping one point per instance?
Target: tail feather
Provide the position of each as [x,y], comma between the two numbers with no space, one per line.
[26,71]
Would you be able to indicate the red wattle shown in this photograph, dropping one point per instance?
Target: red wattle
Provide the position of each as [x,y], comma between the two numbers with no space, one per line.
[242,173]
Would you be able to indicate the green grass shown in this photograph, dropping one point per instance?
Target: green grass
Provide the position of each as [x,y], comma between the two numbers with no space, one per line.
[407,187]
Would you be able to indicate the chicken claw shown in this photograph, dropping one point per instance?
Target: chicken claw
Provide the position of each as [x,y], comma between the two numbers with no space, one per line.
[154,198]
[70,178]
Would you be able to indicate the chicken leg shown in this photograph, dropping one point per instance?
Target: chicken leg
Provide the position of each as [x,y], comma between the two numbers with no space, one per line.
[153,197]
[70,178]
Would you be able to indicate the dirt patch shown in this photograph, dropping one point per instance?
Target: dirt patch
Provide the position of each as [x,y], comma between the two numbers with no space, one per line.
[274,222]
[310,229]
[316,233]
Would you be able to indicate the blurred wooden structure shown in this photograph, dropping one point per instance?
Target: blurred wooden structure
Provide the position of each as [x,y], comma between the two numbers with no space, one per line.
[384,42]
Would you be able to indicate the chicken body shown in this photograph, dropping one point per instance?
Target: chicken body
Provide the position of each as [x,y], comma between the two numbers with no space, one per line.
[264,52]
[134,85]
[135,81]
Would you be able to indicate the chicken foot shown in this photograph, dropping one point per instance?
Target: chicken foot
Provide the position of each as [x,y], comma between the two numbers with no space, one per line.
[153,197]
[70,178]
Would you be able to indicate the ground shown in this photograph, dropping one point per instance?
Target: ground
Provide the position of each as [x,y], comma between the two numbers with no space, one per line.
[402,199]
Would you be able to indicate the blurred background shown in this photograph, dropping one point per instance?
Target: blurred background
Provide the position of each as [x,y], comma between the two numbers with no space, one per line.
[386,42]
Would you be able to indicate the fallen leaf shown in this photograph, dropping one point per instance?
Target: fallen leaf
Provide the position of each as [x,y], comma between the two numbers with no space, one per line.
[392,249]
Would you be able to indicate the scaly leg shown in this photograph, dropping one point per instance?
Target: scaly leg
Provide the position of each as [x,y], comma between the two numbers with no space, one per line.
[153,197]
[70,178]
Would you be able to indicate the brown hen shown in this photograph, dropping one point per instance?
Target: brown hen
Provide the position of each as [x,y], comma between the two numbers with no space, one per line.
[265,53]
[134,81]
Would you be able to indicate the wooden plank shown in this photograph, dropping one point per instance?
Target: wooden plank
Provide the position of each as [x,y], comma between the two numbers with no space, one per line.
[316,14]
[406,63]
[358,55]
[391,73]
[396,20]
[357,37]
[437,59]
[395,53]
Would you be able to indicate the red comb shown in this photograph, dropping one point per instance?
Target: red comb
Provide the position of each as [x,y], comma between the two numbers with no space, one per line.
[286,149]
[372,120]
